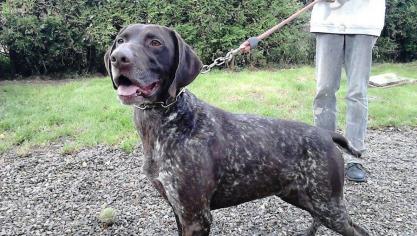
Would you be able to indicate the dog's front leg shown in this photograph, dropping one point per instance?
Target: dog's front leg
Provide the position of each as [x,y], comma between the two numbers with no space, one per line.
[194,223]
[192,219]
[191,210]
[158,185]
[179,226]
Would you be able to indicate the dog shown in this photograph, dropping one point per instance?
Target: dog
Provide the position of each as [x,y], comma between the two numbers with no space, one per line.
[202,158]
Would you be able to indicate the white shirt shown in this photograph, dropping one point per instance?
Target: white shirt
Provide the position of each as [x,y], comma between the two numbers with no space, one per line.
[349,17]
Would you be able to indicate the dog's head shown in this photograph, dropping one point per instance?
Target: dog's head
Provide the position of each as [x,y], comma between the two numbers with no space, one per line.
[150,63]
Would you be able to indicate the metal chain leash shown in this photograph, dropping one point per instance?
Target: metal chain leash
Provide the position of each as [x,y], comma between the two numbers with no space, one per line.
[229,56]
[220,60]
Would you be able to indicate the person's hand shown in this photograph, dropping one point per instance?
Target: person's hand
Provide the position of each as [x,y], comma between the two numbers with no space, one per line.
[249,44]
[244,47]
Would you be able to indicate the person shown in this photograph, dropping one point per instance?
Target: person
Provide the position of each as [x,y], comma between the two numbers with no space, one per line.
[346,32]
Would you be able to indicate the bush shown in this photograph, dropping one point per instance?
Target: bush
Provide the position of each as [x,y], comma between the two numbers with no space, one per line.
[49,36]
[61,36]
[398,41]
[4,66]
[215,27]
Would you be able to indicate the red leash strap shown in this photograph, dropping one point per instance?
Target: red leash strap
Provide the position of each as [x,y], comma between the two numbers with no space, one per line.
[286,21]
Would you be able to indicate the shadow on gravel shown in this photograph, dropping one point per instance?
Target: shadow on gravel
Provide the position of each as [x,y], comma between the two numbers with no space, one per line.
[49,193]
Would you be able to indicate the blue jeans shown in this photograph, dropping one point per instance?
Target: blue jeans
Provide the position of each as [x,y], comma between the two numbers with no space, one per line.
[354,52]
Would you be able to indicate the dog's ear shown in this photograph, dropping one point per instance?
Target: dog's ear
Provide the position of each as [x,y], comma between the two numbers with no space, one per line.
[188,65]
[107,61]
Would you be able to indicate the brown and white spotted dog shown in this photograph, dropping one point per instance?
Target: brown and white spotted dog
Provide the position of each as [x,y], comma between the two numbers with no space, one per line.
[202,158]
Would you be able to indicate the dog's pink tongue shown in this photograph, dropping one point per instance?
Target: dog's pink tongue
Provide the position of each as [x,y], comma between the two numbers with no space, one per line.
[124,90]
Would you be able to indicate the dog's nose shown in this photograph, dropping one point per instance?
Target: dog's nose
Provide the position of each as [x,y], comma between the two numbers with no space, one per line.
[121,58]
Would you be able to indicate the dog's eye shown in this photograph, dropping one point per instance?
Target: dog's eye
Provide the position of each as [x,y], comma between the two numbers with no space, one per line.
[120,41]
[155,43]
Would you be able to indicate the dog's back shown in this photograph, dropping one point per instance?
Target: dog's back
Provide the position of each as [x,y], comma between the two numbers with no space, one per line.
[256,157]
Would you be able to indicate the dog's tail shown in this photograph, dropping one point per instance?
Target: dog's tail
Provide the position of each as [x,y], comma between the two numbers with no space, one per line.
[344,143]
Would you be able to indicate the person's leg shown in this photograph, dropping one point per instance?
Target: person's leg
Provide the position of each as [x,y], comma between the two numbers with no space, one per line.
[329,61]
[358,61]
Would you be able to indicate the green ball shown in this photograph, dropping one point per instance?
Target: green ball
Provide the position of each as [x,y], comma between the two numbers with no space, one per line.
[108,216]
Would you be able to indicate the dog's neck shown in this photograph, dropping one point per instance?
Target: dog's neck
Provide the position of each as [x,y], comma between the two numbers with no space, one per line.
[152,123]
[169,101]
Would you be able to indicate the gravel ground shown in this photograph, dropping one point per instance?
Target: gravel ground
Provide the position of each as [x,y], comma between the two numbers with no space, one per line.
[47,193]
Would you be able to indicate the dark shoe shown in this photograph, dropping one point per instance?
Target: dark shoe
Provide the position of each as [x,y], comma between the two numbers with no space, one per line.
[355,172]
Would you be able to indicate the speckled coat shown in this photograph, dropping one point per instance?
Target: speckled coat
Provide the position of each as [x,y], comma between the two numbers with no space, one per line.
[202,158]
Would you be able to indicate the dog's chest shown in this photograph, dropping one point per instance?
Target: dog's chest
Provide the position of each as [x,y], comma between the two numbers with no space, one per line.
[154,159]
[162,156]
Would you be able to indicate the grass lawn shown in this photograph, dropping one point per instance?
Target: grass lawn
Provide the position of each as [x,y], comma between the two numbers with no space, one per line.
[86,112]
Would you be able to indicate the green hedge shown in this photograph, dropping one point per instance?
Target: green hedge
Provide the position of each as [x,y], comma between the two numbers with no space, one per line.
[50,36]
[398,41]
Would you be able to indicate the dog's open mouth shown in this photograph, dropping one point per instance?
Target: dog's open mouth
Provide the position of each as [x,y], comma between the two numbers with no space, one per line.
[129,90]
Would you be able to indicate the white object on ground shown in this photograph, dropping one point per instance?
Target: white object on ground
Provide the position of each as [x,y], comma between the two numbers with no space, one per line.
[389,80]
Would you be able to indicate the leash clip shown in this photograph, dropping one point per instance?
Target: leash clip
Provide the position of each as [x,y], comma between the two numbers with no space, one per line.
[220,61]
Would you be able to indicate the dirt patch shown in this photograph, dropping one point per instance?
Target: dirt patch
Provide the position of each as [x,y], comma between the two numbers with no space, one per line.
[49,193]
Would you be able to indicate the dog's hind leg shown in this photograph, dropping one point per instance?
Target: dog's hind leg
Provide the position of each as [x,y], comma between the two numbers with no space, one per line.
[334,216]
[311,231]
[348,228]
[302,200]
